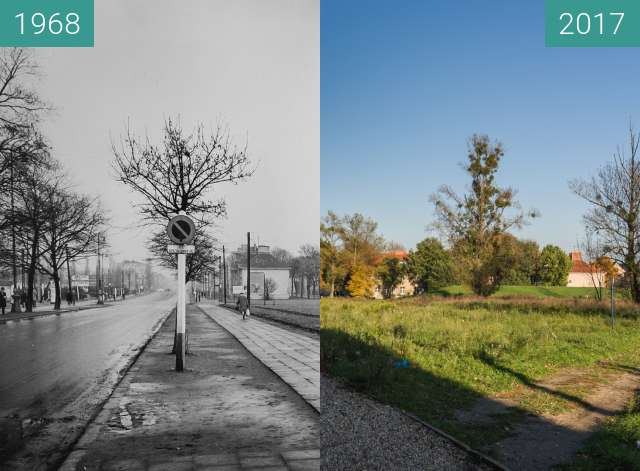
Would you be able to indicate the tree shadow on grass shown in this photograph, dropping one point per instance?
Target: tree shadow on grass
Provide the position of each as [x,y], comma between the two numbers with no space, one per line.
[511,435]
[490,361]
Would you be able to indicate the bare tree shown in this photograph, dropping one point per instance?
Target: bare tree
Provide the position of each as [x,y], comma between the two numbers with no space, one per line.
[71,230]
[270,287]
[281,255]
[310,256]
[29,217]
[614,217]
[203,259]
[177,175]
[19,104]
[23,150]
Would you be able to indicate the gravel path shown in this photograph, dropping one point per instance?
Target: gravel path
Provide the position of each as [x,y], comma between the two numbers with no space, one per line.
[360,434]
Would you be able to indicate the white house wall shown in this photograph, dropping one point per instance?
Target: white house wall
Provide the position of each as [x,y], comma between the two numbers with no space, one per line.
[584,280]
[280,276]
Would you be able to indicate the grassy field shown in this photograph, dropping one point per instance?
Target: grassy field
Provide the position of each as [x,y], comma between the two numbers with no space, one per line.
[461,350]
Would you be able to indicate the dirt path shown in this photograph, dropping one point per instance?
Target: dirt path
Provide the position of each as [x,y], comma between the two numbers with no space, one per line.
[541,442]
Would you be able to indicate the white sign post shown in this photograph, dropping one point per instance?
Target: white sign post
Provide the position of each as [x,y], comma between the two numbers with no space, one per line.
[181,313]
[181,230]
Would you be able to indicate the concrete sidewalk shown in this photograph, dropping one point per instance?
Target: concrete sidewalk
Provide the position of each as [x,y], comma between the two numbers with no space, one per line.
[227,411]
[292,356]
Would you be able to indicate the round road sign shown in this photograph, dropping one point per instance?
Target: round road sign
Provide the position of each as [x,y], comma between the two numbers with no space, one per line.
[181,229]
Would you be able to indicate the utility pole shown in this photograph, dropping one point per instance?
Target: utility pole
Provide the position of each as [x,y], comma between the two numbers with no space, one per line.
[248,269]
[219,280]
[73,301]
[22,264]
[99,275]
[15,305]
[224,275]
[613,303]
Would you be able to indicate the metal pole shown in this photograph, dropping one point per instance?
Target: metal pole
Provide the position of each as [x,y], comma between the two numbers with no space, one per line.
[180,313]
[69,277]
[248,269]
[22,258]
[98,275]
[613,304]
[13,232]
[224,275]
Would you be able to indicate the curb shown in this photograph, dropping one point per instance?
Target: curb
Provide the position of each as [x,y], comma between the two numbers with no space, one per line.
[279,321]
[35,315]
[472,451]
[263,363]
[288,311]
[73,455]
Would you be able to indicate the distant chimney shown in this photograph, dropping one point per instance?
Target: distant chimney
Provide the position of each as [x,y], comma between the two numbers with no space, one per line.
[576,256]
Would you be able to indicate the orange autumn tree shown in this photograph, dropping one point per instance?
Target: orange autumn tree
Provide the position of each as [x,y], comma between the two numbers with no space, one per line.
[603,271]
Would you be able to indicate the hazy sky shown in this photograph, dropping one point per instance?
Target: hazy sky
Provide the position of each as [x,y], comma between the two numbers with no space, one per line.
[252,65]
[405,84]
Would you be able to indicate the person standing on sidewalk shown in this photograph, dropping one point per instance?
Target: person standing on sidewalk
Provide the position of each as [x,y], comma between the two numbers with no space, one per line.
[3,300]
[243,305]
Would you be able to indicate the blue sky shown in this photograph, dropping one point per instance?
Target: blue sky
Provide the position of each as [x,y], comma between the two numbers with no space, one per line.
[405,84]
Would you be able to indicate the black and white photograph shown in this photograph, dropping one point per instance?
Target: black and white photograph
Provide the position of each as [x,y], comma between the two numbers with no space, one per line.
[159,244]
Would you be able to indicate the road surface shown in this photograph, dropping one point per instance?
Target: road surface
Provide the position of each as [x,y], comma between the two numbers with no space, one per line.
[56,370]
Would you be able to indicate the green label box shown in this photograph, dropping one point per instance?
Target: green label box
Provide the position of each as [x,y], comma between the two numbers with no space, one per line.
[46,23]
[592,23]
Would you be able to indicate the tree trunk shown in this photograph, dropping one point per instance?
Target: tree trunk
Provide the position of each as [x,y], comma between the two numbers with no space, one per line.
[56,283]
[635,284]
[333,287]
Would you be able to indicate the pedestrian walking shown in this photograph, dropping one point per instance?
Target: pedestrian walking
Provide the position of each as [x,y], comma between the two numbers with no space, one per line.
[69,298]
[243,305]
[3,300]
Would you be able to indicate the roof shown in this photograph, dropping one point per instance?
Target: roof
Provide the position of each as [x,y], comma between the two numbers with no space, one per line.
[578,265]
[261,260]
[398,254]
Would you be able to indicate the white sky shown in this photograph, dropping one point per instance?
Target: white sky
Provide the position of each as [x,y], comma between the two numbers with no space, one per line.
[251,64]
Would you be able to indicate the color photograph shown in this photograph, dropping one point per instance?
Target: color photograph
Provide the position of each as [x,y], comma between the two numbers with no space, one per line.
[479,237]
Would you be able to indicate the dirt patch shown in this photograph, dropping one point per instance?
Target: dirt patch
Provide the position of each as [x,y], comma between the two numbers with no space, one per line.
[538,442]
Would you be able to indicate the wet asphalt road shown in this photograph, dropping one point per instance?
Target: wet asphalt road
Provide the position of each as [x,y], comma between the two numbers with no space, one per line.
[56,370]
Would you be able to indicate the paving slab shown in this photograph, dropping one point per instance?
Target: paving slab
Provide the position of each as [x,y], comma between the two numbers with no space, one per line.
[227,410]
[292,356]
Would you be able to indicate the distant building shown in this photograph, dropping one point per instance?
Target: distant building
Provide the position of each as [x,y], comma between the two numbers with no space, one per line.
[582,275]
[404,288]
[264,266]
